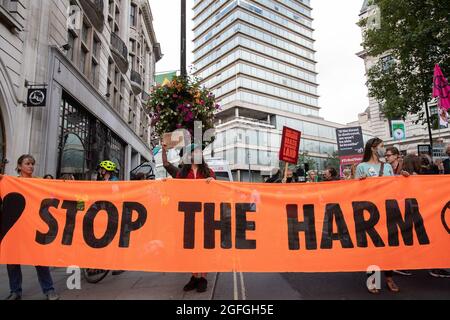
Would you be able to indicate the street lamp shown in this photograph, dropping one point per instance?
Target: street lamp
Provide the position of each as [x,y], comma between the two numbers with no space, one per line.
[183,39]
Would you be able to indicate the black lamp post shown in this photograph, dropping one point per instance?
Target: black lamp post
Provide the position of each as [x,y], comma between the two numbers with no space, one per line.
[183,39]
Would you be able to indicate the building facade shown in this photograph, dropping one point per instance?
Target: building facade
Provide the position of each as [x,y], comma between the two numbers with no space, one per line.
[373,119]
[258,58]
[97,61]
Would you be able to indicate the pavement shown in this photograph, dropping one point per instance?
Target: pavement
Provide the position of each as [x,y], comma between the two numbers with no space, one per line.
[126,286]
[233,286]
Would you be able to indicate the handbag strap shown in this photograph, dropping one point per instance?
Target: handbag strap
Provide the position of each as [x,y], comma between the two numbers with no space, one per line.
[381,173]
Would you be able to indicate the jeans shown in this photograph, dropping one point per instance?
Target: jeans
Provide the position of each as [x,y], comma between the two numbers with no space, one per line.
[15,278]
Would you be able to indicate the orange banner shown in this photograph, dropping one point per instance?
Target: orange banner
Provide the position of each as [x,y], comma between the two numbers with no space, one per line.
[188,225]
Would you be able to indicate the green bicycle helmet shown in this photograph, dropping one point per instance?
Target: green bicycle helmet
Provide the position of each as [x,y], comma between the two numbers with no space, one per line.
[108,165]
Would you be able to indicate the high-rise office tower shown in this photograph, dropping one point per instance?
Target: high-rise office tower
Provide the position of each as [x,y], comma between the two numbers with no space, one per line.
[258,57]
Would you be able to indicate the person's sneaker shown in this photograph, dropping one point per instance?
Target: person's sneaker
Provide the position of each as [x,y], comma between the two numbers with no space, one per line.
[439,273]
[117,272]
[52,295]
[192,284]
[202,285]
[403,272]
[14,296]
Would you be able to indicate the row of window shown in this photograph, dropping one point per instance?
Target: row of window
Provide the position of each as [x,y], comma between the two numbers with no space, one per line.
[258,59]
[290,4]
[84,51]
[262,24]
[255,21]
[211,21]
[278,54]
[308,128]
[214,56]
[211,8]
[262,74]
[265,88]
[263,36]
[257,99]
[266,141]
[281,17]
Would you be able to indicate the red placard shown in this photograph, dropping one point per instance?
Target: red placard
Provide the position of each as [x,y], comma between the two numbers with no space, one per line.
[290,144]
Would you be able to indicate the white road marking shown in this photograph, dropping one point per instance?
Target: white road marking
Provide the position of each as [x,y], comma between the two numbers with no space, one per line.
[243,287]
[235,289]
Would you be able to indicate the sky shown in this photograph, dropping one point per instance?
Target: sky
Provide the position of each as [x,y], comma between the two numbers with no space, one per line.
[342,89]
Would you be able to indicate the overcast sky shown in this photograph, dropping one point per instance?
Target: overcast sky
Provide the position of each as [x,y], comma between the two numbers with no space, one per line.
[342,89]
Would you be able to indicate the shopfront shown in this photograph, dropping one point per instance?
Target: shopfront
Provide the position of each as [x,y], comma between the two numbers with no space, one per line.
[84,141]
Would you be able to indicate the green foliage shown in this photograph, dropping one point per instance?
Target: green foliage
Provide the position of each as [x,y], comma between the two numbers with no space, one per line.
[416,34]
[333,161]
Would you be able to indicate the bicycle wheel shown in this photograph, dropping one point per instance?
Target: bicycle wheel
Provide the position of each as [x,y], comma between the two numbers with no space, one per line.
[94,275]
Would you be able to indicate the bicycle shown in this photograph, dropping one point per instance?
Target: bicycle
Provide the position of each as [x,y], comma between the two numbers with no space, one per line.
[94,275]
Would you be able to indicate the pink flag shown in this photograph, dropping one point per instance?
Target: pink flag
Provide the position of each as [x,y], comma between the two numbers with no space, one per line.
[441,89]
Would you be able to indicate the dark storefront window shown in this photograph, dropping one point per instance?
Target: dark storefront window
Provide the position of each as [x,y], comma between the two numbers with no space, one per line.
[84,142]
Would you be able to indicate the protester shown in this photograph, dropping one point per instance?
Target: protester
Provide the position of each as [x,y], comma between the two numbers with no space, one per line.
[170,168]
[371,166]
[440,165]
[412,164]
[394,159]
[289,177]
[415,166]
[193,170]
[25,169]
[427,165]
[106,171]
[347,172]
[67,176]
[331,174]
[48,176]
[350,172]
[446,162]
[312,176]
[276,178]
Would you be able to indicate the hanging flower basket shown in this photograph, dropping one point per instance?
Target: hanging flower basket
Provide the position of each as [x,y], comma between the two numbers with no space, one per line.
[177,104]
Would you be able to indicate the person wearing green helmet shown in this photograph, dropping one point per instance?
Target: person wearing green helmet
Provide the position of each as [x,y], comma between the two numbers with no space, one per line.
[106,170]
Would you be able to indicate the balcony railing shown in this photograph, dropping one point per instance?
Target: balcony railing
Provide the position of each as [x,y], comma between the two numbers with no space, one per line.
[136,82]
[94,10]
[120,52]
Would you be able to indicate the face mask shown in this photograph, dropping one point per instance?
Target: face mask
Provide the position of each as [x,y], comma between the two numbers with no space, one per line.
[381,152]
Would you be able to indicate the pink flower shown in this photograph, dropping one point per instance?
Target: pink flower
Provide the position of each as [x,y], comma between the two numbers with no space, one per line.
[188,116]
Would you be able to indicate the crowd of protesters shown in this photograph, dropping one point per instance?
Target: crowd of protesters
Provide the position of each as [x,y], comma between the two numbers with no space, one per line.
[378,161]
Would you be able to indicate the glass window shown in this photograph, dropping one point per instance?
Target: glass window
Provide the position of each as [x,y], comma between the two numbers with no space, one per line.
[85,34]
[83,55]
[311,129]
[133,15]
[71,42]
